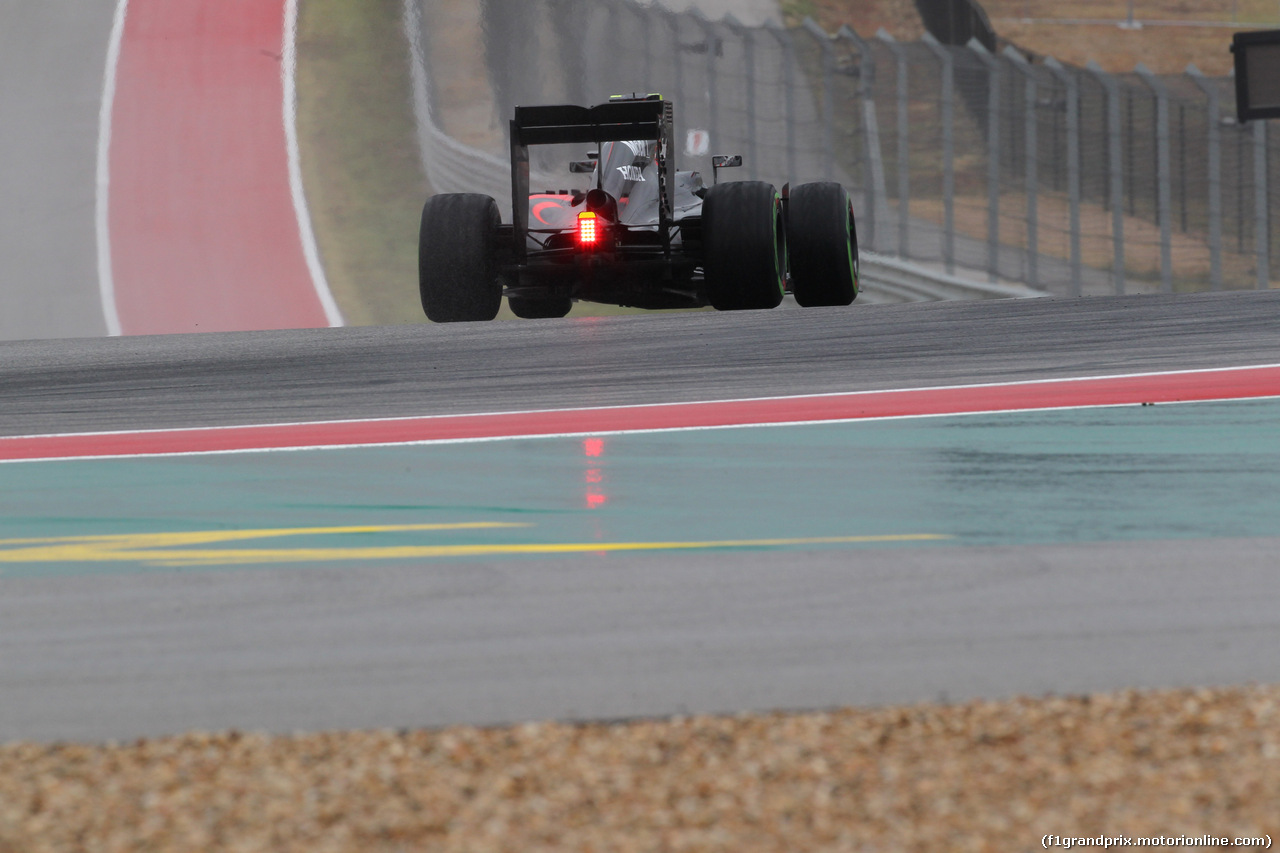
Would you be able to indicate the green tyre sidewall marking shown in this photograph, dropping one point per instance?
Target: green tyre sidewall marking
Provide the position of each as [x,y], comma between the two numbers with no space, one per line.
[851,244]
[779,246]
[822,245]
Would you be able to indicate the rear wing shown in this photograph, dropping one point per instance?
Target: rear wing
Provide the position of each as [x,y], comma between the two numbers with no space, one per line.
[616,121]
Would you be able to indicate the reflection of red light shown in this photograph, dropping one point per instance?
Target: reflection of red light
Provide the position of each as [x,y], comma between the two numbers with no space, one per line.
[595,497]
[541,206]
[550,209]
[594,448]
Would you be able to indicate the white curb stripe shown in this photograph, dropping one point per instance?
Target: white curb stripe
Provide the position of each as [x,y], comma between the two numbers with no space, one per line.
[310,250]
[102,197]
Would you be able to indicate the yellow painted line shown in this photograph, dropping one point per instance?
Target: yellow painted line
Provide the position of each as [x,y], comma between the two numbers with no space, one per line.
[166,549]
[437,551]
[202,537]
[150,547]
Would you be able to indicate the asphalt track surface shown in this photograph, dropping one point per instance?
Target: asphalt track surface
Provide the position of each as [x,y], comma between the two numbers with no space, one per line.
[50,96]
[121,654]
[148,179]
[151,382]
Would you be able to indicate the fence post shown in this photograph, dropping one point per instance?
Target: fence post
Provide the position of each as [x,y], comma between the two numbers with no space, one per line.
[645,16]
[1261,227]
[904,150]
[1116,174]
[747,35]
[828,99]
[677,59]
[1072,86]
[1164,179]
[713,106]
[1215,175]
[789,81]
[948,152]
[877,196]
[993,156]
[1239,135]
[642,17]
[1030,98]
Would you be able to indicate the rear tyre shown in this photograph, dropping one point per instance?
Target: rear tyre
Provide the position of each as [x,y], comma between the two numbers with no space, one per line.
[539,309]
[745,246]
[823,242]
[457,258]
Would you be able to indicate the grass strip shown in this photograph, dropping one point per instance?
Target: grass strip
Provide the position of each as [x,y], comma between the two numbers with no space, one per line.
[360,163]
[359,156]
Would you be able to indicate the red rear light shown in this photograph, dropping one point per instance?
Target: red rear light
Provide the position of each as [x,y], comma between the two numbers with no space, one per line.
[588,229]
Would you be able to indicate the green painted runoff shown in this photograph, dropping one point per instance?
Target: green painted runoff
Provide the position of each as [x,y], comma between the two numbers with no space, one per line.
[1131,473]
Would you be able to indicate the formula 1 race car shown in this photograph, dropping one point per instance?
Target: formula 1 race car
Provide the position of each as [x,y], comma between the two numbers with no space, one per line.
[643,235]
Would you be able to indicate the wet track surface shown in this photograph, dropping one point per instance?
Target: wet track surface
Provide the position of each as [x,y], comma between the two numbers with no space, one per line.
[776,567]
[265,377]
[50,103]
[979,555]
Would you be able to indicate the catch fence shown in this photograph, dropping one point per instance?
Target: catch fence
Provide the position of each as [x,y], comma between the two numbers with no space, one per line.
[1069,180]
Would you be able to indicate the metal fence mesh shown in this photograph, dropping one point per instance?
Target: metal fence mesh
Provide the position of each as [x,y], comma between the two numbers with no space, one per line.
[1063,178]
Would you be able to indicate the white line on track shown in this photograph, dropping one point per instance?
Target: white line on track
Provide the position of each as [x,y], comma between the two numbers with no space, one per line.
[518,436]
[695,403]
[102,198]
[599,433]
[309,248]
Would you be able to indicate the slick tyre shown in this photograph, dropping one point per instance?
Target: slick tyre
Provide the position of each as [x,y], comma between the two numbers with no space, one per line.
[539,309]
[745,246]
[823,242]
[457,258]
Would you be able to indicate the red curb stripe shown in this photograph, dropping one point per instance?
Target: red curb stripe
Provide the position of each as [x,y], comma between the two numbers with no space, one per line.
[1182,387]
[204,235]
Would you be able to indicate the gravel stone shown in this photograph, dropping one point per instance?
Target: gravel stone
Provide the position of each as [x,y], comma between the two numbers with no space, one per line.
[978,776]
